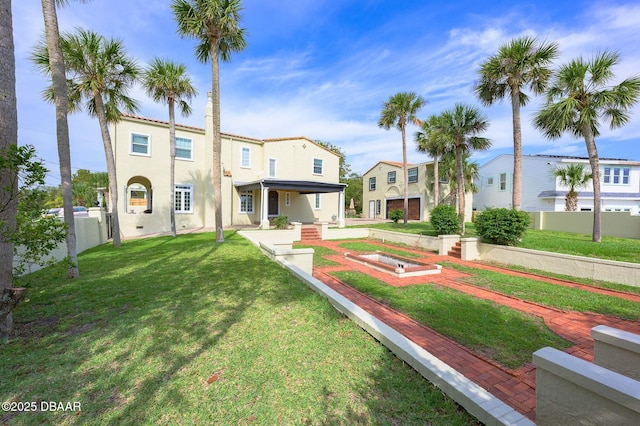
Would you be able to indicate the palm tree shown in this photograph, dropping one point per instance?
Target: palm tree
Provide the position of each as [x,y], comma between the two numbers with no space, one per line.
[61,100]
[215,23]
[168,82]
[574,176]
[470,172]
[461,125]
[430,141]
[576,102]
[398,111]
[100,73]
[519,63]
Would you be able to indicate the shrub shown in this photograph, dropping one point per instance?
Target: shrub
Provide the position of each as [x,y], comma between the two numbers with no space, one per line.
[502,226]
[281,222]
[445,220]
[396,215]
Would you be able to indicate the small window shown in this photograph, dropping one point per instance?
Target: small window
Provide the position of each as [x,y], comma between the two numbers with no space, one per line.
[184,148]
[140,144]
[184,199]
[413,175]
[503,181]
[378,207]
[287,199]
[391,177]
[272,167]
[490,181]
[317,202]
[317,166]
[372,184]
[616,175]
[246,158]
[246,202]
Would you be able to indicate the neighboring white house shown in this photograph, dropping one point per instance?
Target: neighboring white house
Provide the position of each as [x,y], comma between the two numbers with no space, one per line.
[262,179]
[383,190]
[541,191]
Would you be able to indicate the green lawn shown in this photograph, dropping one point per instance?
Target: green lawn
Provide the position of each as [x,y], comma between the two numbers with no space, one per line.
[501,333]
[367,247]
[187,331]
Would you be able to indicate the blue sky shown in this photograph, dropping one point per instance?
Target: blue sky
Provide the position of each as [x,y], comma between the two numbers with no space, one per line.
[322,69]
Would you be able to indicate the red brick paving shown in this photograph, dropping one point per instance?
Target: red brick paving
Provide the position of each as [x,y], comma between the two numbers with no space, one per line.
[514,387]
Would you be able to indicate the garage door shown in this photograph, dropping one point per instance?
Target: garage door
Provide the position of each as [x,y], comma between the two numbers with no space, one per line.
[414,207]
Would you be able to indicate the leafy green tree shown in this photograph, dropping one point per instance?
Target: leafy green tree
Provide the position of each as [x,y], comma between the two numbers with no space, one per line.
[215,24]
[100,74]
[578,99]
[353,191]
[520,63]
[168,82]
[461,125]
[398,111]
[85,186]
[430,140]
[575,177]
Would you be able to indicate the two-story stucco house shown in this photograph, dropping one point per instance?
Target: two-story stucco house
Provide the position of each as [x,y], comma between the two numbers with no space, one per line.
[262,178]
[383,190]
[541,191]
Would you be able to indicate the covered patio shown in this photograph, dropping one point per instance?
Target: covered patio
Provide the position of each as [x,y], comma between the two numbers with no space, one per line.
[269,191]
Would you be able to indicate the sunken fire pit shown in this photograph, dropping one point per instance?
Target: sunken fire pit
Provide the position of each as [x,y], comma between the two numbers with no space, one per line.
[393,264]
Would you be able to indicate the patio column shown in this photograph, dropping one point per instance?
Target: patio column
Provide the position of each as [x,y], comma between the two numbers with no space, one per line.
[264,207]
[341,210]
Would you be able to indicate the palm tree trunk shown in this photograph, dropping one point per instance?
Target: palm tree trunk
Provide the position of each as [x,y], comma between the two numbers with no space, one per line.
[594,160]
[436,183]
[405,171]
[460,183]
[59,82]
[9,136]
[217,143]
[111,167]
[172,166]
[517,150]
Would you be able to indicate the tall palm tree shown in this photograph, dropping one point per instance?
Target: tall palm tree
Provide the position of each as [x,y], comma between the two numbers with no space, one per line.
[398,111]
[168,82]
[574,176]
[520,63]
[462,124]
[215,24]
[9,137]
[431,141]
[578,99]
[61,100]
[100,73]
[470,172]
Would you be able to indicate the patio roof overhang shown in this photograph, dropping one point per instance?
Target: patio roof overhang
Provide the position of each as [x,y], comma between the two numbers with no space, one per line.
[301,186]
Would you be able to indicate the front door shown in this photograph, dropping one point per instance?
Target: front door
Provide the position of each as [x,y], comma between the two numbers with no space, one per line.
[274,205]
[372,209]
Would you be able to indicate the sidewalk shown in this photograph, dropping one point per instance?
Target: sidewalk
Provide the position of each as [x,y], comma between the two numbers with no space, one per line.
[514,387]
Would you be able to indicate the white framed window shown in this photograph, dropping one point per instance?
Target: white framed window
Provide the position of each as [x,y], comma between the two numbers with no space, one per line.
[378,207]
[317,166]
[183,199]
[616,175]
[287,199]
[503,182]
[391,177]
[413,175]
[372,183]
[246,201]
[245,156]
[317,202]
[140,144]
[184,148]
[490,181]
[272,167]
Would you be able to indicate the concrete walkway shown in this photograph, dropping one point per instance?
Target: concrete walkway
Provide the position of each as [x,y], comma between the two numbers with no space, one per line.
[514,387]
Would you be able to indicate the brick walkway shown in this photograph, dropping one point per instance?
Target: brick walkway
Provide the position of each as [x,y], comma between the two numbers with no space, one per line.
[514,387]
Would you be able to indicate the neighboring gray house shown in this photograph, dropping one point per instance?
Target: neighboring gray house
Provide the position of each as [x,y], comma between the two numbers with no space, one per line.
[541,191]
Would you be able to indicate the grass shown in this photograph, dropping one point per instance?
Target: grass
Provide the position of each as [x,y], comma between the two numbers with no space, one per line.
[186,331]
[501,333]
[319,254]
[554,295]
[368,247]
